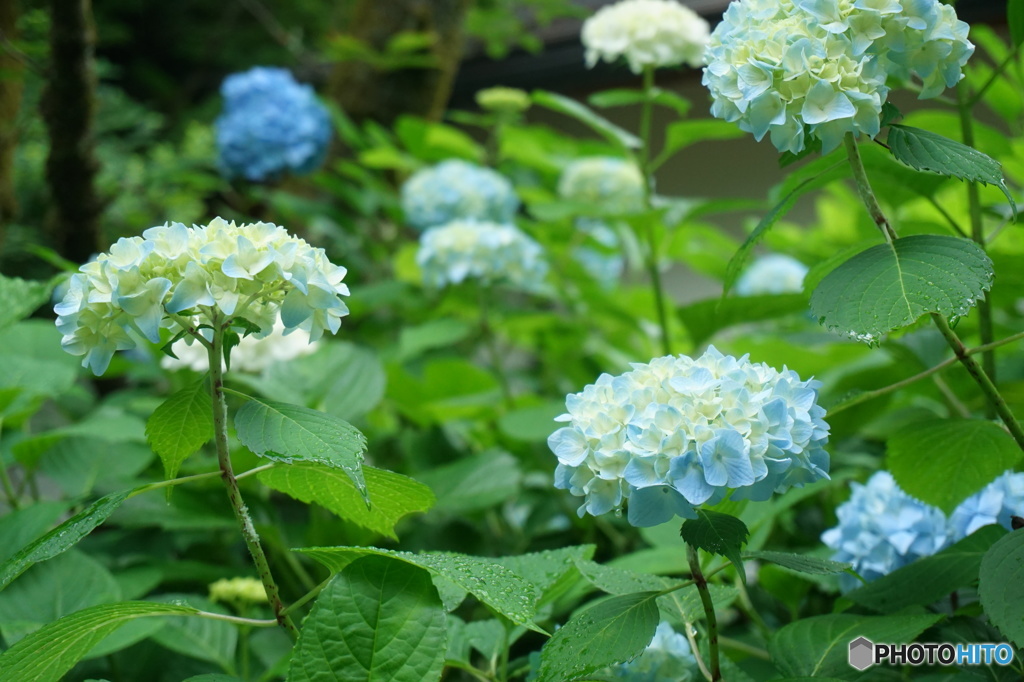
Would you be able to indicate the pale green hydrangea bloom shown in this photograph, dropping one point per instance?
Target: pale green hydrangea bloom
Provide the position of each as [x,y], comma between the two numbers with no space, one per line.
[615,185]
[817,69]
[503,100]
[175,276]
[236,590]
[648,33]
[488,252]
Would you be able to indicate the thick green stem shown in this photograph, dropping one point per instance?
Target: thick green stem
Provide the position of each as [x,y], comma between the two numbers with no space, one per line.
[988,360]
[653,256]
[220,430]
[981,378]
[867,196]
[709,611]
[487,331]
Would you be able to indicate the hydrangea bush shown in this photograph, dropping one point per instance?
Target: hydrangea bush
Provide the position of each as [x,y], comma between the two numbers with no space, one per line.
[271,126]
[457,190]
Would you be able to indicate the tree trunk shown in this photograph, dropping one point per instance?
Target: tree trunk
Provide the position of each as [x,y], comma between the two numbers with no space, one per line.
[11,74]
[363,91]
[68,108]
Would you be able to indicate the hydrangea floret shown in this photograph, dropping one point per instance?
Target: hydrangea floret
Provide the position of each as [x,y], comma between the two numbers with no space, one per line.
[271,126]
[881,528]
[677,433]
[252,354]
[179,277]
[613,184]
[996,503]
[647,33]
[667,657]
[772,274]
[489,252]
[818,69]
[457,190]
[238,591]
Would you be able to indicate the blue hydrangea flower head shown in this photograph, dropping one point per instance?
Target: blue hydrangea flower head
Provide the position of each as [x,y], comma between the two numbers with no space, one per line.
[881,528]
[457,190]
[817,69]
[667,658]
[611,183]
[488,252]
[996,503]
[772,274]
[677,433]
[271,126]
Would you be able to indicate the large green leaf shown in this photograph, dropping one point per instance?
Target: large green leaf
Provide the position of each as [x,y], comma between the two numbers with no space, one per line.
[48,653]
[181,425]
[931,578]
[291,433]
[379,620]
[547,569]
[682,134]
[18,528]
[944,461]
[80,464]
[819,646]
[20,297]
[33,360]
[61,538]
[799,562]
[706,318]
[499,588]
[611,631]
[1001,585]
[587,117]
[927,151]
[394,496]
[891,285]
[474,483]
[717,533]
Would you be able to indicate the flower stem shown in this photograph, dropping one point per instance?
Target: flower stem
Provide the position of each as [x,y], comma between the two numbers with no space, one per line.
[487,331]
[981,378]
[653,257]
[709,610]
[867,196]
[220,430]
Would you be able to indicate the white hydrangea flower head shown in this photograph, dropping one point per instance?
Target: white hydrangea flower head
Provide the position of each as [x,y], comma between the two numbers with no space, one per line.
[489,252]
[648,33]
[881,528]
[175,276]
[997,502]
[454,190]
[676,433]
[235,590]
[611,183]
[772,274]
[252,354]
[799,69]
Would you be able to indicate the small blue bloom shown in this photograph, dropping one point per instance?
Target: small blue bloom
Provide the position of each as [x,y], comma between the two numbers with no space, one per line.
[271,126]
[668,658]
[457,190]
[996,503]
[772,274]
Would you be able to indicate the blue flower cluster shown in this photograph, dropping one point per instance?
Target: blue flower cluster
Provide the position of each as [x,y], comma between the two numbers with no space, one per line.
[801,69]
[881,528]
[996,503]
[489,252]
[772,274]
[677,433]
[457,190]
[271,126]
[668,658]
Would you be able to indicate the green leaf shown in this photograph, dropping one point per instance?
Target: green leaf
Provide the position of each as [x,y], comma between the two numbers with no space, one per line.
[624,97]
[19,298]
[475,483]
[716,533]
[443,333]
[891,285]
[499,588]
[587,117]
[203,638]
[611,631]
[34,361]
[813,176]
[682,134]
[81,463]
[890,114]
[548,569]
[180,426]
[531,424]
[819,646]
[704,319]
[394,496]
[930,578]
[379,619]
[48,653]
[800,562]
[1001,585]
[1015,20]
[926,151]
[290,433]
[944,461]
[61,538]
[18,528]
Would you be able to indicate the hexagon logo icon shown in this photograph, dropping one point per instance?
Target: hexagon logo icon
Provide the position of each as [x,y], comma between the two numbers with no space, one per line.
[862,653]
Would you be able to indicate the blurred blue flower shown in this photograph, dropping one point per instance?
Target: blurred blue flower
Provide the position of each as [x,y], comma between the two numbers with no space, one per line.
[676,433]
[271,126]
[613,184]
[772,274]
[667,658]
[457,190]
[489,252]
[881,528]
[996,503]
